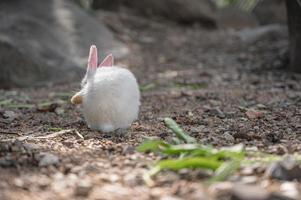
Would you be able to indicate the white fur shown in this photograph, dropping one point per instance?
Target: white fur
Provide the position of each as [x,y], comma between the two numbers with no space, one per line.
[111,99]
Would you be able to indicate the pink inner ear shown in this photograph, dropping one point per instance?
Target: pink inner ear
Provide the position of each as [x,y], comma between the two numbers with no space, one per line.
[92,61]
[107,62]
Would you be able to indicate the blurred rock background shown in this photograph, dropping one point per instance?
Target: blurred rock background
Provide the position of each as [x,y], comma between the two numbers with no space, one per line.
[43,42]
[46,42]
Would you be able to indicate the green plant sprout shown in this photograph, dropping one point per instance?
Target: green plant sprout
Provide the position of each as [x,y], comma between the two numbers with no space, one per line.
[186,153]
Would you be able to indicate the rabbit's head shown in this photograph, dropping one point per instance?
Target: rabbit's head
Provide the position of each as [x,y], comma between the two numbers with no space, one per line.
[91,70]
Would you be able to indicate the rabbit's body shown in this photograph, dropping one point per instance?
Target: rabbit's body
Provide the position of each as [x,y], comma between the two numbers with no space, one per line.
[109,96]
[111,100]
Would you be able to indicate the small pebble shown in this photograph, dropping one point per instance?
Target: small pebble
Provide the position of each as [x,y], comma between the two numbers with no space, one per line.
[83,188]
[220,187]
[228,137]
[287,169]
[249,192]
[290,189]
[48,159]
[249,179]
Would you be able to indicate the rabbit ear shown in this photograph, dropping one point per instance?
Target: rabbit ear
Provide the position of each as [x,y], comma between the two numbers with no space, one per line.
[92,61]
[107,62]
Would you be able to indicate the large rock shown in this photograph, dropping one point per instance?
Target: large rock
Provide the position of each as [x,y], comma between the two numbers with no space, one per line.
[48,41]
[235,18]
[183,11]
[250,35]
[271,12]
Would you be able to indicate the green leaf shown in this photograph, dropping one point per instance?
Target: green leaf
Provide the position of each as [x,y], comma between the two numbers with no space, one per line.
[183,163]
[172,125]
[5,102]
[228,154]
[234,152]
[198,150]
[55,129]
[152,145]
[186,148]
[175,140]
[225,170]
[8,104]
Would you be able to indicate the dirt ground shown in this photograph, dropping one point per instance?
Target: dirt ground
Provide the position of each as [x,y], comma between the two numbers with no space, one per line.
[204,79]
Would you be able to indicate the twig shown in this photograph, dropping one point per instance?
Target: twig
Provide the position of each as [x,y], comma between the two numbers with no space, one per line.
[172,125]
[52,135]
[9,132]
[79,135]
[21,138]
[55,134]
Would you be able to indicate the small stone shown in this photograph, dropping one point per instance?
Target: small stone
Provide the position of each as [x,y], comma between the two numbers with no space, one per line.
[261,106]
[218,189]
[247,171]
[30,146]
[19,182]
[249,192]
[7,162]
[128,149]
[228,137]
[9,114]
[287,169]
[214,102]
[114,178]
[83,189]
[47,159]
[156,192]
[131,179]
[59,111]
[290,189]
[254,114]
[169,198]
[253,148]
[219,113]
[249,179]
[47,107]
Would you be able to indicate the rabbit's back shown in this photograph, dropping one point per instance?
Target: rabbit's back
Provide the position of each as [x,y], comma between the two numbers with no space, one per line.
[112,98]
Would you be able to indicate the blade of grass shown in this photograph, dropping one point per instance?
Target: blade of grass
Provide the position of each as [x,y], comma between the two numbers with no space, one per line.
[172,125]
[197,150]
[147,87]
[147,177]
[183,163]
[225,170]
[5,102]
[191,150]
[55,129]
[186,148]
[20,106]
[228,155]
[192,86]
[175,140]
[152,145]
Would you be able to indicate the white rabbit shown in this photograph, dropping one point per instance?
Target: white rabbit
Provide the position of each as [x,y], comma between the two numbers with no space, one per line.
[109,96]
